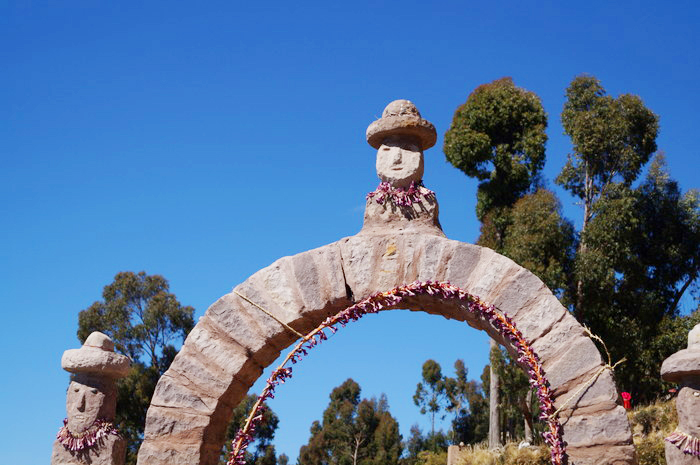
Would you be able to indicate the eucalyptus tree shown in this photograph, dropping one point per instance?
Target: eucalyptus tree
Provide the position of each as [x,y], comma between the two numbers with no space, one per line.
[612,139]
[145,321]
[353,431]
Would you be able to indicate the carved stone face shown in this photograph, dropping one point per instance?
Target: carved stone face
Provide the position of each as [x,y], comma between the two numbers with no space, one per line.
[688,406]
[399,162]
[84,404]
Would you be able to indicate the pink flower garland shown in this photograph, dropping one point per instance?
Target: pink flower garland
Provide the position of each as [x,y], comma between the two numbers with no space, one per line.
[89,438]
[400,196]
[391,299]
[685,442]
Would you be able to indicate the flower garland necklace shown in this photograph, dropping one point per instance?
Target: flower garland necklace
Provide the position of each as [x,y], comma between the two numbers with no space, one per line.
[401,196]
[692,444]
[88,438]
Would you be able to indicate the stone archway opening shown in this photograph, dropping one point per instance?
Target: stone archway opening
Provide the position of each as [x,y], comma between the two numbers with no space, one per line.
[479,313]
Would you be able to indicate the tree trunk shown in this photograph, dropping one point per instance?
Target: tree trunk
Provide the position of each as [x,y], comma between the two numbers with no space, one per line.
[527,414]
[587,213]
[494,414]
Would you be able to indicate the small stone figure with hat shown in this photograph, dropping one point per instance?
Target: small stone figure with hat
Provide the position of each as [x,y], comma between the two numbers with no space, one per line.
[88,435]
[683,367]
[400,137]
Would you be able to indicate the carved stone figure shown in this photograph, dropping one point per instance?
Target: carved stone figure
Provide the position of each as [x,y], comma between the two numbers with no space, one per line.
[683,367]
[400,137]
[88,435]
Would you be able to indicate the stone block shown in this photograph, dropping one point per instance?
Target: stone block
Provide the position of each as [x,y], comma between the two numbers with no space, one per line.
[603,455]
[539,316]
[580,358]
[320,279]
[558,339]
[174,393]
[432,259]
[491,275]
[218,351]
[170,452]
[176,426]
[603,428]
[199,372]
[462,262]
[520,291]
[598,396]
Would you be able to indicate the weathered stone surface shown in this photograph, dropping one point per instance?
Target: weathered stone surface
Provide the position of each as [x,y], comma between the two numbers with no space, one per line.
[399,162]
[431,259]
[490,275]
[179,425]
[240,321]
[604,428]
[171,452]
[320,279]
[539,316]
[684,363]
[112,451]
[675,456]
[213,347]
[602,455]
[583,396]
[100,341]
[571,364]
[402,118]
[91,397]
[521,290]
[420,217]
[176,391]
[462,263]
[557,340]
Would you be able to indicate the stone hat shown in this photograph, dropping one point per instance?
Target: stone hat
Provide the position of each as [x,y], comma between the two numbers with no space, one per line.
[96,356]
[401,117]
[685,362]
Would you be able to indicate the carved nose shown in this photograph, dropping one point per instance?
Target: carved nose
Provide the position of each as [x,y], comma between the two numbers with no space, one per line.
[397,157]
[81,403]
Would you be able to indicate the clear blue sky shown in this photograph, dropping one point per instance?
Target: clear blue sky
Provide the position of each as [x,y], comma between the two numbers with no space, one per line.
[202,141]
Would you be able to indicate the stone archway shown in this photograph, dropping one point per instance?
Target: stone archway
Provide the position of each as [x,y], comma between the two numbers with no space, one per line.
[400,242]
[234,341]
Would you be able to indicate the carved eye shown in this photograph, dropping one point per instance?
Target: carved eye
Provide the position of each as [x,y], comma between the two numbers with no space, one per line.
[696,394]
[76,389]
[93,390]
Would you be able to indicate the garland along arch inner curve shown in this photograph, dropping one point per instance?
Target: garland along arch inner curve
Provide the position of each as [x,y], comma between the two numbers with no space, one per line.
[401,242]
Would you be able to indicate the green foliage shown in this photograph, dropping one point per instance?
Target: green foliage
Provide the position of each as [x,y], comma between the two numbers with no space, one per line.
[641,255]
[534,234]
[431,393]
[469,405]
[144,320]
[612,138]
[418,444]
[264,453]
[498,136]
[431,458]
[353,431]
[650,425]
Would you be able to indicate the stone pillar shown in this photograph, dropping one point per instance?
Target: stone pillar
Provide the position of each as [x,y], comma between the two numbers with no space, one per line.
[683,367]
[88,435]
